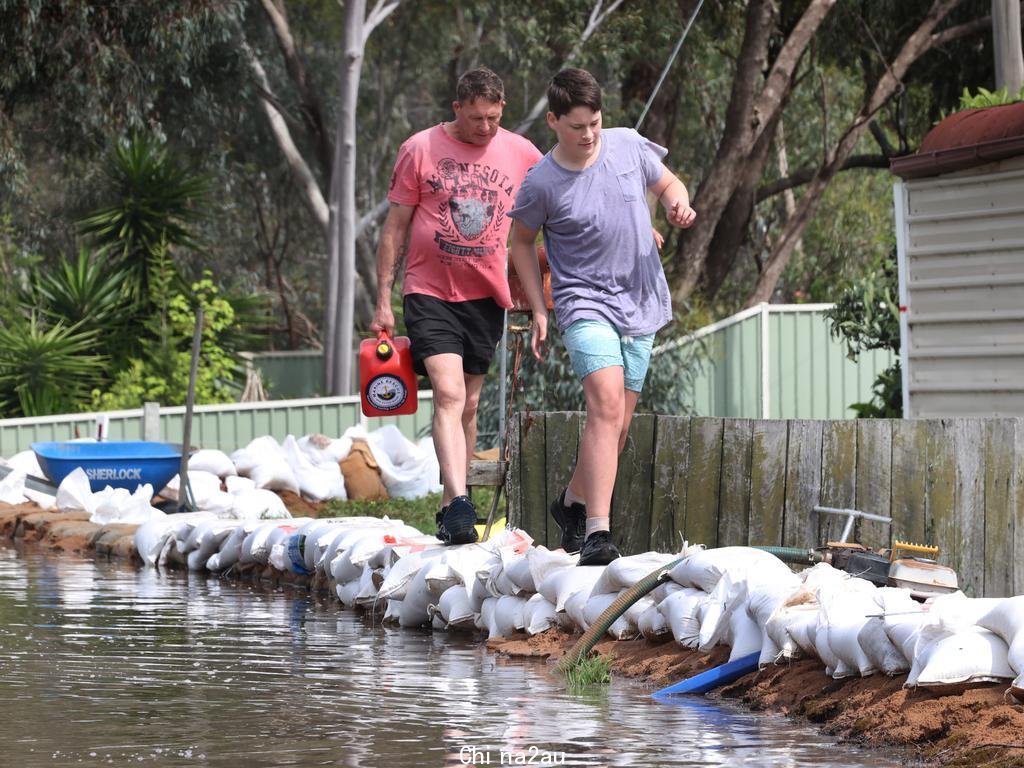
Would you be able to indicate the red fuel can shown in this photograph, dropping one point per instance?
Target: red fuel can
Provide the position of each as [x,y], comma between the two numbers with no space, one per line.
[387,382]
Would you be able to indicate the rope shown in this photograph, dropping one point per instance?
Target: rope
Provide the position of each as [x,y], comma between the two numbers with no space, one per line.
[668,66]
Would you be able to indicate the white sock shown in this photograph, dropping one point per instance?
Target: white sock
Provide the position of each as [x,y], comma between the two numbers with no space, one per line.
[571,498]
[595,524]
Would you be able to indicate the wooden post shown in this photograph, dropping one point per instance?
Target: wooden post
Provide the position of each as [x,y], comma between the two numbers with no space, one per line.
[151,422]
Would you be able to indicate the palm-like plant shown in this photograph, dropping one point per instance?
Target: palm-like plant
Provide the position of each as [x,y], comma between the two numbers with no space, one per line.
[156,200]
[46,370]
[86,290]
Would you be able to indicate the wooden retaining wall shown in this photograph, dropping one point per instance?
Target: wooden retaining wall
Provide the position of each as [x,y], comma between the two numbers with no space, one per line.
[956,483]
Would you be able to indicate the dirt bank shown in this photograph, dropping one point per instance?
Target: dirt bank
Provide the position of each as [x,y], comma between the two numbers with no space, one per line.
[972,726]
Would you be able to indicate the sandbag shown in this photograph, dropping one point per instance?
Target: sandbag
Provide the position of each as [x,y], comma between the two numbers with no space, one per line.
[212,461]
[745,636]
[12,487]
[970,655]
[704,568]
[508,616]
[408,470]
[318,482]
[398,577]
[627,571]
[543,561]
[561,584]
[362,474]
[454,609]
[621,628]
[1006,619]
[322,449]
[652,624]
[539,615]
[259,504]
[682,613]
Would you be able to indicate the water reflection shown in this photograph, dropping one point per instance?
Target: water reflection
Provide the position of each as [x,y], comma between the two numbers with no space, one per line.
[105,665]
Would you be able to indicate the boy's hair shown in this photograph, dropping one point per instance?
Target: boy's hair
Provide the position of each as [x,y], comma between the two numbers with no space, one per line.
[480,83]
[573,88]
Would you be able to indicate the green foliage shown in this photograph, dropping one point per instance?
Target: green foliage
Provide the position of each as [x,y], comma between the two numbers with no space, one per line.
[88,293]
[587,672]
[987,98]
[16,266]
[157,201]
[887,400]
[161,373]
[866,317]
[46,370]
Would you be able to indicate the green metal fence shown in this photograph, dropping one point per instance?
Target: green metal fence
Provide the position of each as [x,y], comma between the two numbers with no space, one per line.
[774,361]
[777,361]
[225,427]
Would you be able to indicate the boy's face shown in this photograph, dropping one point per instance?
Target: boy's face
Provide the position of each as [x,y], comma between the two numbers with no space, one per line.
[578,132]
[477,121]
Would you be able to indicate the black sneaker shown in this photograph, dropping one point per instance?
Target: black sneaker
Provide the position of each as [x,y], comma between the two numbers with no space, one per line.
[573,522]
[456,520]
[598,549]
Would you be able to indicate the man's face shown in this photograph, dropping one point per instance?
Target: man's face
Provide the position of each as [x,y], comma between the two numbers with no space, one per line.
[578,132]
[476,122]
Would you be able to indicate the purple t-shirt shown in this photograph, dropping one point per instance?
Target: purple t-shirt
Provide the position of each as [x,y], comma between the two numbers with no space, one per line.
[597,231]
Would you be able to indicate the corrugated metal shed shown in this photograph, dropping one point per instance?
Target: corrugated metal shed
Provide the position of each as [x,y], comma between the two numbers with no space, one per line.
[777,361]
[960,243]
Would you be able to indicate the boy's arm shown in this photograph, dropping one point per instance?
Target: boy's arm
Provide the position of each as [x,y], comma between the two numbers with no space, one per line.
[672,194]
[390,255]
[523,256]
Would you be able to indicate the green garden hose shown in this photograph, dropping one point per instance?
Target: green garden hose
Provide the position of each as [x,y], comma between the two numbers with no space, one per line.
[622,604]
[796,555]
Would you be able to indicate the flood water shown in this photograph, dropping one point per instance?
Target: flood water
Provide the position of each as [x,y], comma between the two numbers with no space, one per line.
[105,665]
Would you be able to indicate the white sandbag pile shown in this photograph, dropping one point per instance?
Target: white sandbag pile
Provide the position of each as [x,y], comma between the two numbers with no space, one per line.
[741,597]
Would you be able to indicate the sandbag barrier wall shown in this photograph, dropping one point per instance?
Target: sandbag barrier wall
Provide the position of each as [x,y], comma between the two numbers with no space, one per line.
[956,483]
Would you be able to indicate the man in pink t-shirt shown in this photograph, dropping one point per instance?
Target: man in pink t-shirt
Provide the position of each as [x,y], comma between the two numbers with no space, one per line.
[451,191]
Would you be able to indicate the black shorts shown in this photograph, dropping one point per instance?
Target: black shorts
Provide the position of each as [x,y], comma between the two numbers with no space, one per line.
[470,329]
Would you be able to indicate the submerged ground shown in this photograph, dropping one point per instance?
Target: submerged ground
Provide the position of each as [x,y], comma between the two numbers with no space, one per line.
[960,726]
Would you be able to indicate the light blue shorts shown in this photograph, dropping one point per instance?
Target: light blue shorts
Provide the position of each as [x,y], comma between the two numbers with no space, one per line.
[596,344]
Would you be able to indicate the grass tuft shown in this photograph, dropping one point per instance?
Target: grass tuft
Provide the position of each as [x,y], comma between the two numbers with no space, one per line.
[588,671]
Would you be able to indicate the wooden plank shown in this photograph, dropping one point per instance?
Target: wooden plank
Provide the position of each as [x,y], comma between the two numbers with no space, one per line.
[1017,507]
[803,484]
[483,472]
[909,480]
[514,489]
[874,480]
[702,482]
[999,458]
[970,504]
[533,477]
[838,475]
[734,509]
[940,524]
[631,499]
[562,440]
[668,493]
[767,481]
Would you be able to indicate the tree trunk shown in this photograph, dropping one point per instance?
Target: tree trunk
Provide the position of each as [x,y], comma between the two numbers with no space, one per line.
[734,223]
[1009,58]
[920,41]
[747,116]
[342,236]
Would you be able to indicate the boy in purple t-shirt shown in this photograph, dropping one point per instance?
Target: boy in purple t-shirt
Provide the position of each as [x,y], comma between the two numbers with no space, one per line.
[588,194]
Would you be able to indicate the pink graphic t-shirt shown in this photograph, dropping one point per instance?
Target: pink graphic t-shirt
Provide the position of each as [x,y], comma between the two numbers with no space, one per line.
[462,192]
